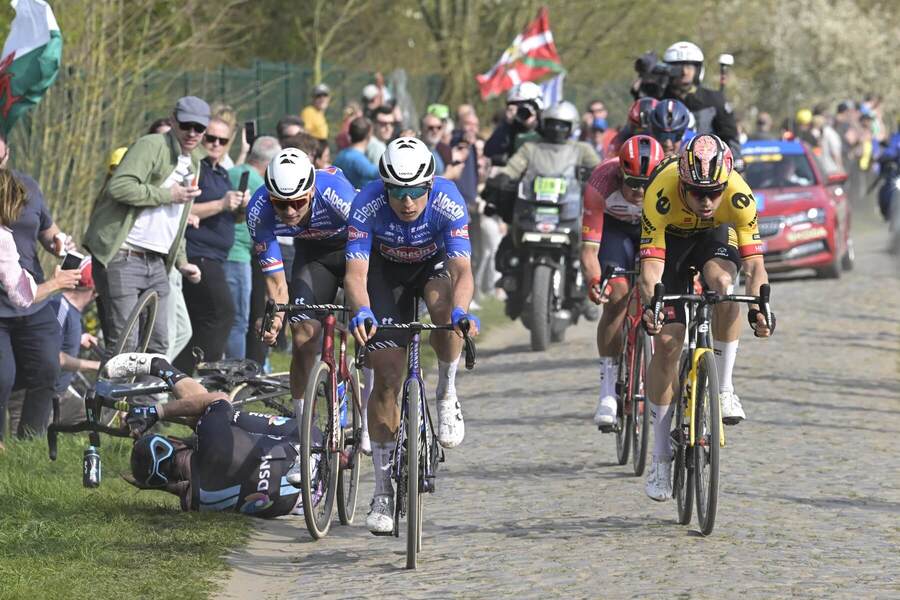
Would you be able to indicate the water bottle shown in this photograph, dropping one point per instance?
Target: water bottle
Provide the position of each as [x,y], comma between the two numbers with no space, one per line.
[91,478]
[342,395]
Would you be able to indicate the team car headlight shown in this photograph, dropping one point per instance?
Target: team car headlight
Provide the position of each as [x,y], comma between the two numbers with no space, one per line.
[812,215]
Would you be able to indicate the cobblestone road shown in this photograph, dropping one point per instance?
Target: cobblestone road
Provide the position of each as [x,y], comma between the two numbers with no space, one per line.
[533,506]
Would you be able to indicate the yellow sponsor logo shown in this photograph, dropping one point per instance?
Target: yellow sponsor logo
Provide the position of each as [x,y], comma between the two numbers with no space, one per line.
[807,234]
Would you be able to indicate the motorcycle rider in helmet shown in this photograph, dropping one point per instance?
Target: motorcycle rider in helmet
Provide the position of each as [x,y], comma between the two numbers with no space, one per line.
[712,113]
[524,104]
[549,155]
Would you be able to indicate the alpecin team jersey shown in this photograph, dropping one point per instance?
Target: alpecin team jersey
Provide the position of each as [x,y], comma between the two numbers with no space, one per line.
[666,213]
[443,225]
[603,196]
[327,220]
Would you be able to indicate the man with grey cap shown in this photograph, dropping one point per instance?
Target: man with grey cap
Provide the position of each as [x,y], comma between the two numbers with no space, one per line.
[314,115]
[136,231]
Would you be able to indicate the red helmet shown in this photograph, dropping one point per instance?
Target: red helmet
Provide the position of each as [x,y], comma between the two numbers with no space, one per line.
[639,113]
[639,155]
[706,163]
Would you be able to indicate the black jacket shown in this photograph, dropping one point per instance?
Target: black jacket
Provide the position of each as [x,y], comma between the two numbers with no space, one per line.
[712,115]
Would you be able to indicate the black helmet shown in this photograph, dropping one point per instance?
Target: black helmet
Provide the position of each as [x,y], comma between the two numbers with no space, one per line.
[151,461]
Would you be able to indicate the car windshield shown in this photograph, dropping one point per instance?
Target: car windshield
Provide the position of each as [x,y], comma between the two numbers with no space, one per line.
[778,170]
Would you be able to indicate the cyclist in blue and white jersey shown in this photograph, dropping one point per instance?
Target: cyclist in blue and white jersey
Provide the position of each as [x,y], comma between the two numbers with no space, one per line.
[312,207]
[408,236]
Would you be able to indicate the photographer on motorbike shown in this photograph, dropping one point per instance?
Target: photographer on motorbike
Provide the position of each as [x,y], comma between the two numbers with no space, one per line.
[524,104]
[712,113]
[555,155]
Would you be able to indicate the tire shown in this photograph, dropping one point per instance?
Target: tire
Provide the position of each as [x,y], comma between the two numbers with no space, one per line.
[640,414]
[707,422]
[832,270]
[682,469]
[413,496]
[623,417]
[317,411]
[541,288]
[348,482]
[141,319]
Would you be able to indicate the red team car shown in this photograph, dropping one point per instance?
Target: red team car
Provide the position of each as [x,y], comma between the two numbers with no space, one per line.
[804,215]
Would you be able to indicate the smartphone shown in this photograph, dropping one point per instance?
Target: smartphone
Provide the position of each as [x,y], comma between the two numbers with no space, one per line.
[250,131]
[245,180]
[72,261]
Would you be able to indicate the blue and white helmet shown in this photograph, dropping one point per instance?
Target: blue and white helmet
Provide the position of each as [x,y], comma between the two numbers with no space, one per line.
[290,174]
[407,162]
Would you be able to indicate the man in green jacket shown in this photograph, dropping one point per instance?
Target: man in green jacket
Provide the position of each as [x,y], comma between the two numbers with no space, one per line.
[136,232]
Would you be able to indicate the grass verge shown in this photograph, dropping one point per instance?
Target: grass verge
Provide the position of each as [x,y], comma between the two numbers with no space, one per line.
[60,540]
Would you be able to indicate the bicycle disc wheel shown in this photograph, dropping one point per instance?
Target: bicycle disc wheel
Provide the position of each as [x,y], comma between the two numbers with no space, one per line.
[682,469]
[318,466]
[348,482]
[640,414]
[706,447]
[414,506]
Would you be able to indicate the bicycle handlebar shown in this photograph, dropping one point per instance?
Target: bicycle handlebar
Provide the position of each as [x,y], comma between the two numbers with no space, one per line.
[711,297]
[272,308]
[468,343]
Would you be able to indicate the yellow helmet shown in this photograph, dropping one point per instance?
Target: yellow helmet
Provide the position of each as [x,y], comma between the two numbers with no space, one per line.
[804,116]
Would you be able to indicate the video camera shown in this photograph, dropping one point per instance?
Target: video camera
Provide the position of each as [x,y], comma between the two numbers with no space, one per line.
[654,76]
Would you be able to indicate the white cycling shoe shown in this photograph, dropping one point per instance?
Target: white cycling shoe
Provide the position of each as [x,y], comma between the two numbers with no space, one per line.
[732,411]
[451,427]
[605,415]
[659,479]
[129,365]
[380,519]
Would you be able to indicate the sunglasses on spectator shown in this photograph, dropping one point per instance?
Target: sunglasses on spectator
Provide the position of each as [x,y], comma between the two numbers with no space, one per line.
[384,123]
[212,139]
[196,127]
[635,183]
[434,127]
[297,204]
[414,192]
[701,193]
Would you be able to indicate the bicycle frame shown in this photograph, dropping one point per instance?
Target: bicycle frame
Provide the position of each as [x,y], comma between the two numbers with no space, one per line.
[699,343]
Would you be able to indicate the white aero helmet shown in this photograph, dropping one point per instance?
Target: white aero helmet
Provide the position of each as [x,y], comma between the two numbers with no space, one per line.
[681,52]
[407,162]
[527,91]
[290,174]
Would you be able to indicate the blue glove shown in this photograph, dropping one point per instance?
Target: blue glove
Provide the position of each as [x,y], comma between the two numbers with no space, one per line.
[360,319]
[141,418]
[459,314]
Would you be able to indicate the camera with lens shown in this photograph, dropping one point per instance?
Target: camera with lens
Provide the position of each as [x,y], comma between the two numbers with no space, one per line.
[524,112]
[654,75]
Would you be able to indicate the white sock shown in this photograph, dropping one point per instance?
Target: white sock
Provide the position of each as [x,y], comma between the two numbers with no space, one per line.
[367,381]
[446,383]
[726,353]
[381,460]
[662,424]
[609,371]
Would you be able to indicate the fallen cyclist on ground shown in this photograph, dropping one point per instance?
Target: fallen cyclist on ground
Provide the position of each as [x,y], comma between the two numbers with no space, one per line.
[240,461]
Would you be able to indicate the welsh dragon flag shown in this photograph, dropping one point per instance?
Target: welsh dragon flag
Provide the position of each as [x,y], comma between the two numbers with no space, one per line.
[30,61]
[531,55]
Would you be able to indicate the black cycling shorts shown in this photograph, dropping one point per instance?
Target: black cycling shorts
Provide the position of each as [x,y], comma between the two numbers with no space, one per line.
[392,289]
[619,244]
[682,253]
[318,271]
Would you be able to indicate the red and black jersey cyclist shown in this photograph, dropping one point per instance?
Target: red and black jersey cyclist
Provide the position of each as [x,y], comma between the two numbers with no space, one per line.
[638,122]
[611,236]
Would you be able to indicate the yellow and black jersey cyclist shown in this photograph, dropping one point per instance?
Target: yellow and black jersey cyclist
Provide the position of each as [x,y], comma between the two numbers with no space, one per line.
[697,213]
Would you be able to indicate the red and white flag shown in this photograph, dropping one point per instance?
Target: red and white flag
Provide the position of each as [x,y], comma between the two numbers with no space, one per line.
[531,56]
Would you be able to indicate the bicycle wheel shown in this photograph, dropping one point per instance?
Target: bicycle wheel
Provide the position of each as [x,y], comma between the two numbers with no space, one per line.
[348,482]
[318,465]
[682,469]
[640,414]
[706,446]
[623,416]
[413,496]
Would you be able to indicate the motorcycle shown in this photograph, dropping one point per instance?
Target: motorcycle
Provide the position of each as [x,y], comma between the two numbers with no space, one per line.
[539,259]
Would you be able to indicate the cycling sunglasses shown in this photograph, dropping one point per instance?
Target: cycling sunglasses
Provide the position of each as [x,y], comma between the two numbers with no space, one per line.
[196,127]
[160,450]
[296,204]
[701,193]
[414,192]
[635,183]
[668,136]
